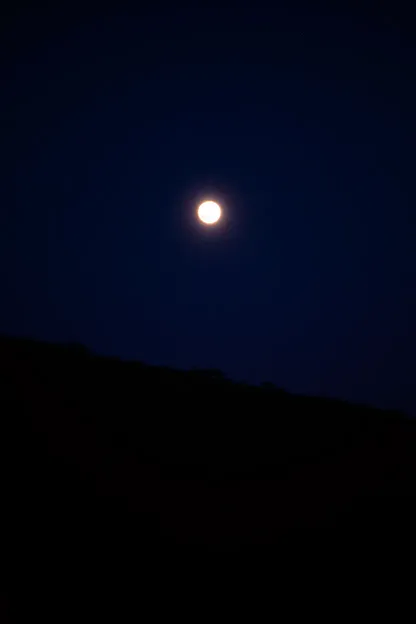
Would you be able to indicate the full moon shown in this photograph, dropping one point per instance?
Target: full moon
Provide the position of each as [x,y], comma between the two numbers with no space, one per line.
[209,212]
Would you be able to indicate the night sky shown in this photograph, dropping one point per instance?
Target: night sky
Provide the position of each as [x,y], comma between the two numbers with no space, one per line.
[300,123]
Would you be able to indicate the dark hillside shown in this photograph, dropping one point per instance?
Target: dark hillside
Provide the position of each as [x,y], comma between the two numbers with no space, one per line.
[105,452]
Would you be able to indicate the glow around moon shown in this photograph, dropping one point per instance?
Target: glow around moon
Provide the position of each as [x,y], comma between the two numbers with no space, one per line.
[209,212]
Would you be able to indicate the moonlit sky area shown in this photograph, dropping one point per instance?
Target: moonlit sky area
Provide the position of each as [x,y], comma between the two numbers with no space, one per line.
[300,122]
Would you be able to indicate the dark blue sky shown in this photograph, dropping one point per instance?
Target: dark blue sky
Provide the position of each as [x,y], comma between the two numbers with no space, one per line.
[302,124]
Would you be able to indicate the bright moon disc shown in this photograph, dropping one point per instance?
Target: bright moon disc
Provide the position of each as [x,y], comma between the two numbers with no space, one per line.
[209,212]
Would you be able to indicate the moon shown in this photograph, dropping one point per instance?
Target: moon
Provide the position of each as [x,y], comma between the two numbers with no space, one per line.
[209,212]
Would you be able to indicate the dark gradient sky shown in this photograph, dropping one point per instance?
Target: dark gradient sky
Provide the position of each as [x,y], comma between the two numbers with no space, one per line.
[301,123]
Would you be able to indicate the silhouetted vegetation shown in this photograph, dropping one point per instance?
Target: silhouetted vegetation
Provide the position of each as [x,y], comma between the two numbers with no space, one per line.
[103,451]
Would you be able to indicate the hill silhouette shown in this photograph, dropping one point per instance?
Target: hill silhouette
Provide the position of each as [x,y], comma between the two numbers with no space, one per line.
[101,451]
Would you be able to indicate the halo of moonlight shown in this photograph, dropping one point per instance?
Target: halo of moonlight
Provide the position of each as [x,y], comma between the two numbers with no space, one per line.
[209,212]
